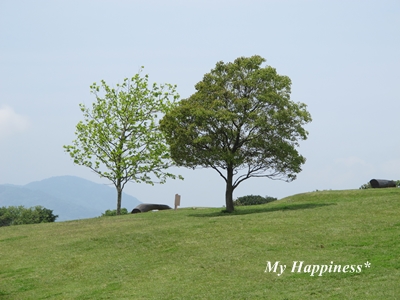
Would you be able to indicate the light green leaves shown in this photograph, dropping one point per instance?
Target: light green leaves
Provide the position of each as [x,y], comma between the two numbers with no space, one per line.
[119,137]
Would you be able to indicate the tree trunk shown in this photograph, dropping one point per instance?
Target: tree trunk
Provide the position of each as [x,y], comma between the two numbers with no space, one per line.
[229,190]
[119,196]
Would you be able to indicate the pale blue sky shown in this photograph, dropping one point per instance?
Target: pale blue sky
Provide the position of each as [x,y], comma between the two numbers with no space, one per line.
[343,58]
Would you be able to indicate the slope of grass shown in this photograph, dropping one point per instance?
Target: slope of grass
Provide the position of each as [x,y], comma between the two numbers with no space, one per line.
[207,254]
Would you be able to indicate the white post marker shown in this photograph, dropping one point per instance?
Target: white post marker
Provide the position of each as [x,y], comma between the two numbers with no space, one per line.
[177,201]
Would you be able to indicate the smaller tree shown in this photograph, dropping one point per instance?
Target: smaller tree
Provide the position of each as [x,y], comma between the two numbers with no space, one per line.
[119,137]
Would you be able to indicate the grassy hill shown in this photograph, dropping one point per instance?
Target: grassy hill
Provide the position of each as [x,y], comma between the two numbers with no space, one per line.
[207,254]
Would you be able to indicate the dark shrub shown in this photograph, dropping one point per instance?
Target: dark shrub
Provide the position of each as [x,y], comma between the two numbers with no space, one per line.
[109,212]
[253,200]
[5,217]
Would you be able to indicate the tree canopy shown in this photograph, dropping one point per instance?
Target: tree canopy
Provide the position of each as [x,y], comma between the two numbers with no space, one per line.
[119,137]
[239,122]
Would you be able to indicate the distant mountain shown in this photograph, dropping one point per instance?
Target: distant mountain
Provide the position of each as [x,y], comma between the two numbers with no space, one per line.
[69,197]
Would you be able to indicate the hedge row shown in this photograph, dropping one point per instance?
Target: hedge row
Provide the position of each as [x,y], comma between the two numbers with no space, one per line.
[17,215]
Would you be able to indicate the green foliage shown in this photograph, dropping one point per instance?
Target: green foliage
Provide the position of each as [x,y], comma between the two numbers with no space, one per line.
[253,200]
[398,183]
[366,186]
[17,215]
[240,121]
[109,212]
[119,137]
[6,216]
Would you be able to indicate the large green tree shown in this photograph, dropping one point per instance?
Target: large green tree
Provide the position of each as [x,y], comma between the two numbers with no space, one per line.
[239,122]
[119,138]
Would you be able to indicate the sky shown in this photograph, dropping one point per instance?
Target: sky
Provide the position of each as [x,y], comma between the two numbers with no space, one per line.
[343,58]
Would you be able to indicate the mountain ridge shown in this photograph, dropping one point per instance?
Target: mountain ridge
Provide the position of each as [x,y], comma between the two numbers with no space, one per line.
[70,197]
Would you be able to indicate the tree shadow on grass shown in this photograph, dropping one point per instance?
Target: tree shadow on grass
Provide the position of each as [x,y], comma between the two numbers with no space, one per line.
[250,210]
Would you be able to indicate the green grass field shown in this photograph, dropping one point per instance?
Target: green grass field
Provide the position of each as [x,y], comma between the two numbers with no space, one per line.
[208,254]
